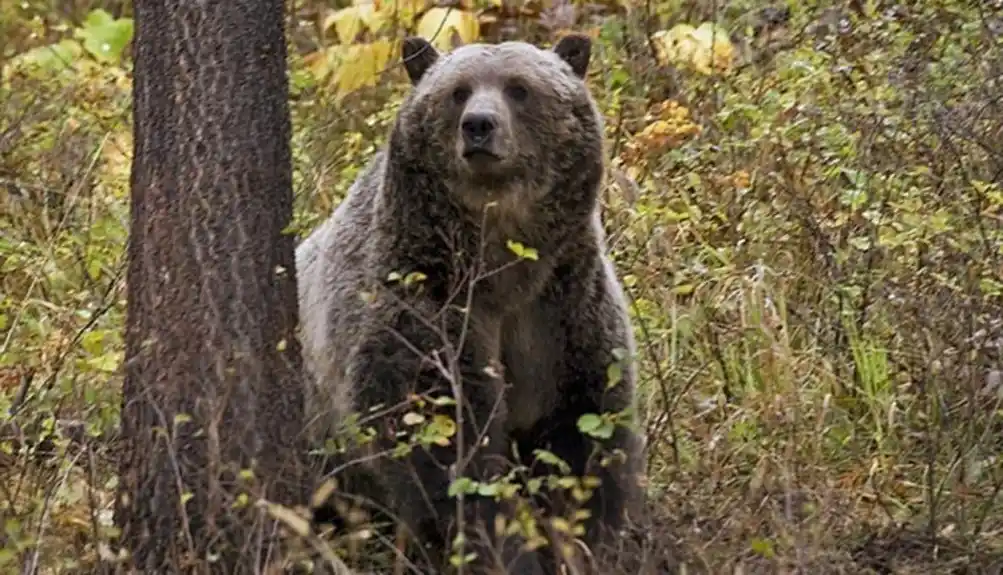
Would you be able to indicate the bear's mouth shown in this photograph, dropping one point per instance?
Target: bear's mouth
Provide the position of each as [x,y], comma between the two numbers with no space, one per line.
[479,153]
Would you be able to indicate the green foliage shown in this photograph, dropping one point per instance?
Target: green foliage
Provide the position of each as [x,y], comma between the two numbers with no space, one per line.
[812,254]
[596,426]
[64,172]
[104,37]
[101,39]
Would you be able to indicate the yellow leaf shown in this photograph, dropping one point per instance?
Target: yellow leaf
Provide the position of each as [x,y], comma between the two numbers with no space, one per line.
[439,24]
[405,10]
[671,45]
[663,134]
[741,179]
[372,17]
[697,47]
[317,63]
[323,493]
[412,418]
[369,13]
[716,43]
[347,23]
[293,520]
[684,289]
[358,65]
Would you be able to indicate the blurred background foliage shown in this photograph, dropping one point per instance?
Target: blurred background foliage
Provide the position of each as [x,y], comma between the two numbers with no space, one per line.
[806,206]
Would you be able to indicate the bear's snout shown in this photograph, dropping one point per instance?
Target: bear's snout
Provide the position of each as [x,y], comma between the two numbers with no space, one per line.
[478,128]
[482,139]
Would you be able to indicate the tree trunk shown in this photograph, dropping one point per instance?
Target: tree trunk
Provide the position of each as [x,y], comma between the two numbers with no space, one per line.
[212,382]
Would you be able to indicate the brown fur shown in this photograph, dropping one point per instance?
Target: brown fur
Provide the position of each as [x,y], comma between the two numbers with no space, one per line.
[427,204]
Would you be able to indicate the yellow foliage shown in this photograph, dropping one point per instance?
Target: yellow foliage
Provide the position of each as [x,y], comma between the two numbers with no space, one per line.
[349,22]
[351,66]
[662,134]
[403,10]
[670,125]
[671,111]
[741,179]
[699,48]
[439,24]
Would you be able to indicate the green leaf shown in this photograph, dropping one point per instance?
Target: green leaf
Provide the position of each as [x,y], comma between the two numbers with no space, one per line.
[463,485]
[240,502]
[107,363]
[93,342]
[488,489]
[533,485]
[694,181]
[51,58]
[990,287]
[614,374]
[762,547]
[443,400]
[683,289]
[595,426]
[104,37]
[550,458]
[7,557]
[456,560]
[414,277]
[589,423]
[443,426]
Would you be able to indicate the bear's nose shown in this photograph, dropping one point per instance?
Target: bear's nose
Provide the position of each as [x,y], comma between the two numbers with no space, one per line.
[478,127]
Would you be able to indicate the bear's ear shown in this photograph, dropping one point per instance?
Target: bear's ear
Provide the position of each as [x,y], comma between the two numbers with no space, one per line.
[575,49]
[419,55]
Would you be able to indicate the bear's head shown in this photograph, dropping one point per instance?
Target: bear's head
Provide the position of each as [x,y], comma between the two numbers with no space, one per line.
[504,123]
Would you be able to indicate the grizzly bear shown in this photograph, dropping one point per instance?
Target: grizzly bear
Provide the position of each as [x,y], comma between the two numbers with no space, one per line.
[468,261]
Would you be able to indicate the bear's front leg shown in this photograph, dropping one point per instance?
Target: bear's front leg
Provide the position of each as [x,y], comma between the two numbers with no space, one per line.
[429,366]
[594,332]
[598,336]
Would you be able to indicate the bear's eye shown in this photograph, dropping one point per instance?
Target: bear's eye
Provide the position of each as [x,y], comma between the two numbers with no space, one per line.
[461,94]
[517,92]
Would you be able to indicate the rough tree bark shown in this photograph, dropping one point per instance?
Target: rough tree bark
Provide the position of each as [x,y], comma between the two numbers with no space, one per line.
[210,329]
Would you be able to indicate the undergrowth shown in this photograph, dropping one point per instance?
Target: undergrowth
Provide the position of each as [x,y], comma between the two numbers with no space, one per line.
[811,240]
